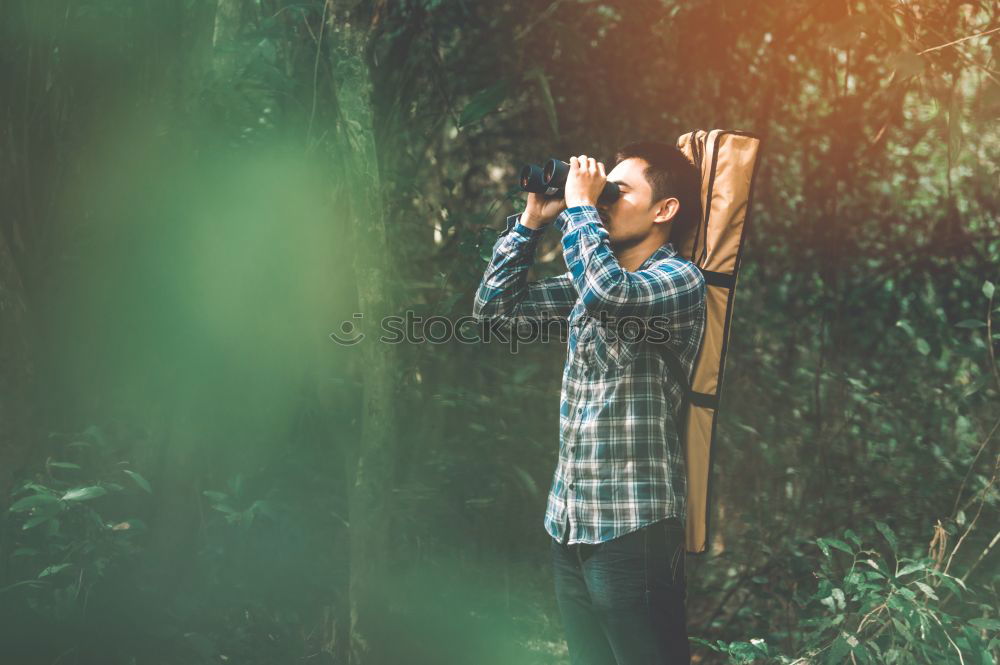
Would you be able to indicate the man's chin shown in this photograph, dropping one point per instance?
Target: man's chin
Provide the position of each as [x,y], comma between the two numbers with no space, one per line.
[618,244]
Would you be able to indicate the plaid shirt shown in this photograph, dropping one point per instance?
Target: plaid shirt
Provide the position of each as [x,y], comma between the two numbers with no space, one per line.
[621,465]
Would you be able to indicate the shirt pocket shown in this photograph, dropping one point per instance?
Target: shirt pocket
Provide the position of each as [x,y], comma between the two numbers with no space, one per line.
[613,349]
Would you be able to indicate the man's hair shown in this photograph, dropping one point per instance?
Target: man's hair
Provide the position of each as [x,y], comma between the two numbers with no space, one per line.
[670,174]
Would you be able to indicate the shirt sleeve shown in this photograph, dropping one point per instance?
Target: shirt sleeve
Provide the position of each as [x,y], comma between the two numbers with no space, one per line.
[505,291]
[672,289]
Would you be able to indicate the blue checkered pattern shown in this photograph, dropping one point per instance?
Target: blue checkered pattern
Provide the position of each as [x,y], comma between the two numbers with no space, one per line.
[620,465]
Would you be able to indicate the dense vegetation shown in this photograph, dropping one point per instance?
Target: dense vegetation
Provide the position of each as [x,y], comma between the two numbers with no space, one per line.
[198,192]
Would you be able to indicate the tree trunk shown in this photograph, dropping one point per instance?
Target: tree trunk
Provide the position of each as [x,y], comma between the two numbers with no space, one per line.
[228,20]
[180,429]
[359,184]
[16,376]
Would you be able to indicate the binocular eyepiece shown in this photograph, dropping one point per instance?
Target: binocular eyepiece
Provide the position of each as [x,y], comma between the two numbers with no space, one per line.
[550,181]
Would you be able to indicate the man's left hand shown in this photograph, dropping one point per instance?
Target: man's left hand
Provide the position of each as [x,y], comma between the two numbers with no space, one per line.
[585,181]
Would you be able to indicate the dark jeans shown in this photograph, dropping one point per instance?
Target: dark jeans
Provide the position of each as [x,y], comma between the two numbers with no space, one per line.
[622,601]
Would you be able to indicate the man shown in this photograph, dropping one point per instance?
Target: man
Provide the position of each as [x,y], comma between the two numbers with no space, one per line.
[616,508]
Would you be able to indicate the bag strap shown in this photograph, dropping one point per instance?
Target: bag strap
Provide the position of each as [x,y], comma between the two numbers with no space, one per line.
[673,363]
[676,370]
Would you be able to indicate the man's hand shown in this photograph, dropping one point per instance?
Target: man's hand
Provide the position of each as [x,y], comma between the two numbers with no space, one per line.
[541,210]
[585,181]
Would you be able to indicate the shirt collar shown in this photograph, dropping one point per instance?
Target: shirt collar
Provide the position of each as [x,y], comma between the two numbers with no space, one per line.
[665,251]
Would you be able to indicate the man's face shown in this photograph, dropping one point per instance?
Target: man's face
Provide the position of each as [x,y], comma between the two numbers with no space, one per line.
[634,216]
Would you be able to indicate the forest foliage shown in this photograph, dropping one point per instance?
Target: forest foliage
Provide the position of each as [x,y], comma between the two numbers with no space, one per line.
[197,193]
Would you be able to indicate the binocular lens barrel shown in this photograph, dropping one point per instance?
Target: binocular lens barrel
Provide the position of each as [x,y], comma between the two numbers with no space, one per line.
[556,171]
[532,179]
[551,181]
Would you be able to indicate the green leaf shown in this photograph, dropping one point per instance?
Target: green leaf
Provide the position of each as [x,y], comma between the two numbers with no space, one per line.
[985,624]
[704,643]
[911,568]
[887,533]
[840,545]
[52,570]
[38,519]
[970,323]
[838,650]
[988,289]
[84,493]
[526,481]
[861,654]
[548,103]
[63,465]
[483,103]
[760,645]
[487,239]
[877,567]
[947,581]
[139,480]
[898,602]
[905,325]
[903,630]
[926,589]
[132,524]
[34,501]
[922,346]
[263,507]
[978,384]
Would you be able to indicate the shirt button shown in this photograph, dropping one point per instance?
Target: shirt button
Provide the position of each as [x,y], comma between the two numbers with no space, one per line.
[572,486]
[579,409]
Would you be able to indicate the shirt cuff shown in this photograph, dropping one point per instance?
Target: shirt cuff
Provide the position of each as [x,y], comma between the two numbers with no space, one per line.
[573,218]
[515,226]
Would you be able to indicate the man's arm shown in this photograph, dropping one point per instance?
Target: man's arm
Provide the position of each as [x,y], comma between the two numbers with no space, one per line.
[671,289]
[666,290]
[505,292]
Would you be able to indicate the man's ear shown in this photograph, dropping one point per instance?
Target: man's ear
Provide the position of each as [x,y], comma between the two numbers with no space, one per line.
[666,210]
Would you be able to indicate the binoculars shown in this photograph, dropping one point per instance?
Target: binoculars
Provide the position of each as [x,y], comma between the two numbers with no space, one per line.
[550,181]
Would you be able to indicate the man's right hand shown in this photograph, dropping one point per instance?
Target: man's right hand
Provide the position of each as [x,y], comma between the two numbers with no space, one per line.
[541,210]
